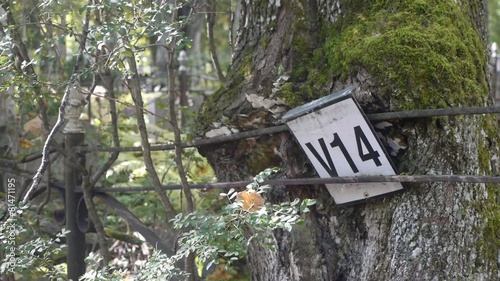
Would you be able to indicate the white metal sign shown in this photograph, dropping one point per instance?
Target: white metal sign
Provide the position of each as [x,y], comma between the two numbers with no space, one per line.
[339,141]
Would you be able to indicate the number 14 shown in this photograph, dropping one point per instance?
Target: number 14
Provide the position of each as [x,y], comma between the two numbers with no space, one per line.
[361,141]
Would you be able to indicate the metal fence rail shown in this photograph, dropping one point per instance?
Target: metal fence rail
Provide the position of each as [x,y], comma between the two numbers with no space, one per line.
[321,181]
[423,113]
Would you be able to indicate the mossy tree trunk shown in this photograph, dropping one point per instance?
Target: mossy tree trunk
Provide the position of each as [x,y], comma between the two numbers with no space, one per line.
[400,55]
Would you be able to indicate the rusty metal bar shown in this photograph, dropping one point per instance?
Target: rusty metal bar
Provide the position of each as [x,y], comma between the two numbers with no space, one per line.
[425,113]
[319,181]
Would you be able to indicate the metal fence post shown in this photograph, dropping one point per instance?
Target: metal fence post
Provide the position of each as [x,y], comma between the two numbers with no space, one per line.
[74,136]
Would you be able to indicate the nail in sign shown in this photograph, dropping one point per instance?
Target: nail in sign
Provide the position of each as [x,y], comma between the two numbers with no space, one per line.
[339,141]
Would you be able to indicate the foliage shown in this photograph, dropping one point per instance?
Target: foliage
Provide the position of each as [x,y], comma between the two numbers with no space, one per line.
[30,255]
[494,20]
[97,273]
[215,237]
[227,234]
[158,267]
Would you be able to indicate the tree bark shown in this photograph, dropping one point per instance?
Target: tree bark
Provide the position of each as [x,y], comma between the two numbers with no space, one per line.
[400,55]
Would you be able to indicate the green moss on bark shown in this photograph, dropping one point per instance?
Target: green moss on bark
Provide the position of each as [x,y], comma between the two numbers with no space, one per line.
[424,54]
[212,109]
[490,207]
[310,77]
[490,243]
[222,98]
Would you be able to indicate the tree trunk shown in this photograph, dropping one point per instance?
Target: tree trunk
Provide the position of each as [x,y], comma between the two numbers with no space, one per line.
[400,55]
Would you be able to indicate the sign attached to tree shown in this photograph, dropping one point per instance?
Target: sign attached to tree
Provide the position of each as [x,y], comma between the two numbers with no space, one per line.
[339,141]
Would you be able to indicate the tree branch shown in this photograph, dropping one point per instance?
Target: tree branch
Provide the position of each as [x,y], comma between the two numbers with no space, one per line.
[176,130]
[60,116]
[135,91]
[94,216]
[49,190]
[108,79]
[190,259]
[211,42]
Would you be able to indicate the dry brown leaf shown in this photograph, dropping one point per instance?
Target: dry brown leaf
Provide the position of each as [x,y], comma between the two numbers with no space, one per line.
[24,143]
[252,201]
[34,126]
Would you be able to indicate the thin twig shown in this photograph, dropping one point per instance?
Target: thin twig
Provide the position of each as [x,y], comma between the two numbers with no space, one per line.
[17,172]
[26,159]
[231,26]
[115,100]
[114,130]
[189,266]
[48,187]
[175,127]
[197,143]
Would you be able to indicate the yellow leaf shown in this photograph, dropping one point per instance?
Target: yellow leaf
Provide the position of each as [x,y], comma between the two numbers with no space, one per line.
[24,143]
[252,201]
[34,126]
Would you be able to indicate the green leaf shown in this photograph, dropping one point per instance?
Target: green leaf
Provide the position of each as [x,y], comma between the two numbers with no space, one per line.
[310,202]
[305,204]
[85,8]
[199,266]
[264,188]
[128,53]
